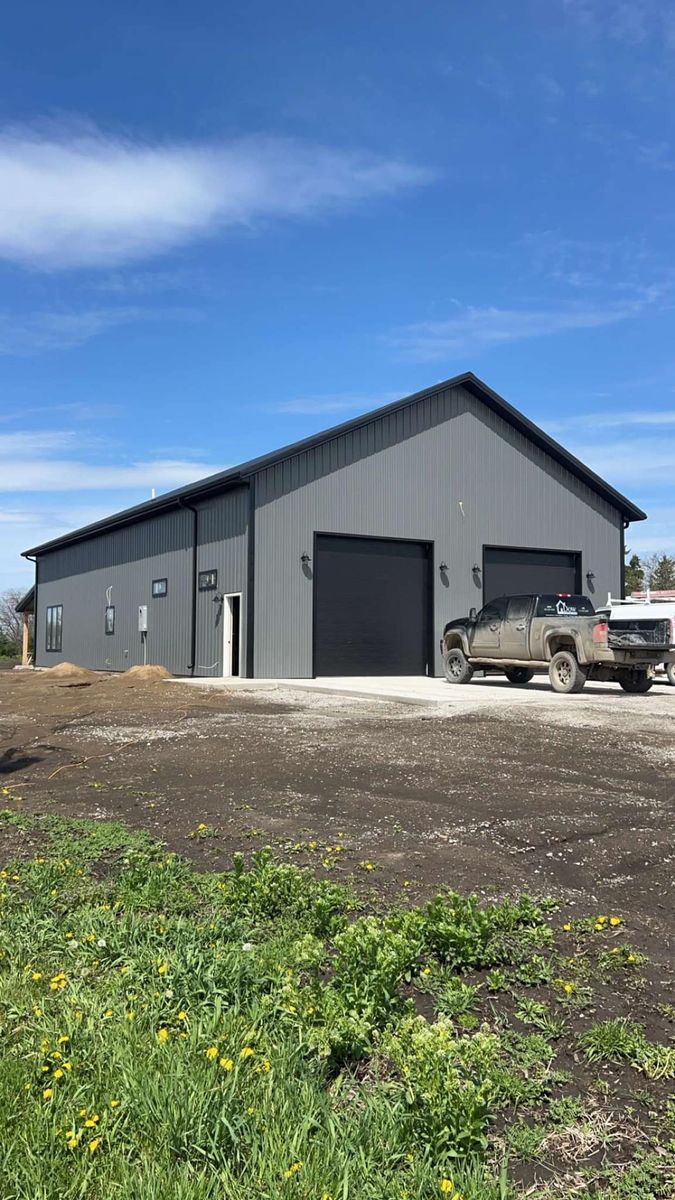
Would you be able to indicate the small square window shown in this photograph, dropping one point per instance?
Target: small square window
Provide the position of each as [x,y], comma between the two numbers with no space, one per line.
[110,619]
[159,587]
[53,639]
[208,581]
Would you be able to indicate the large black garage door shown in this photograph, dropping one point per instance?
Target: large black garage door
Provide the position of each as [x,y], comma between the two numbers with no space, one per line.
[371,606]
[509,572]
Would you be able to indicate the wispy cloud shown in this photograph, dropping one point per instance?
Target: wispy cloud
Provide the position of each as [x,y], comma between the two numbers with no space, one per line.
[75,196]
[37,332]
[658,418]
[629,21]
[73,475]
[471,330]
[340,402]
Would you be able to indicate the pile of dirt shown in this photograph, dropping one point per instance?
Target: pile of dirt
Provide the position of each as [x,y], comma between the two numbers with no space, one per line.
[151,673]
[67,674]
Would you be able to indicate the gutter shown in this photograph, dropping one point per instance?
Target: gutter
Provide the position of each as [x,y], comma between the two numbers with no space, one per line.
[193,611]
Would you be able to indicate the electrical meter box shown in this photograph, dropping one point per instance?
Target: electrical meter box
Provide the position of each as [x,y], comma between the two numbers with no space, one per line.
[142,618]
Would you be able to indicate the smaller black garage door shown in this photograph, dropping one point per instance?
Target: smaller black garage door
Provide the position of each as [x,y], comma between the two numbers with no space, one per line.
[371,606]
[512,572]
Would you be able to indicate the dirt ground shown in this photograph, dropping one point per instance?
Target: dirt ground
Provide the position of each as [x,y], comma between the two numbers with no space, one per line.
[576,802]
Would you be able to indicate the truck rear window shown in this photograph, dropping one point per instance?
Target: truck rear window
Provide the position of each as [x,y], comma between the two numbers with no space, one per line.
[565,606]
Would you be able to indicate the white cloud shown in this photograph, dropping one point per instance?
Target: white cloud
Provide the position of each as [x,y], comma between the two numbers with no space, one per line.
[36,332]
[611,420]
[74,197]
[72,475]
[470,330]
[636,461]
[337,403]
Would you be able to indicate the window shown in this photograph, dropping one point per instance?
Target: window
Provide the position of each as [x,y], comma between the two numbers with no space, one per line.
[519,608]
[53,640]
[494,611]
[110,619]
[208,581]
[159,587]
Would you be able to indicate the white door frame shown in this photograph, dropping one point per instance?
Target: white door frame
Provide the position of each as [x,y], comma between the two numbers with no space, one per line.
[228,630]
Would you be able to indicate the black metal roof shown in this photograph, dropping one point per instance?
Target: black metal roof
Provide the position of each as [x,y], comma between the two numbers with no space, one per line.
[27,602]
[241,474]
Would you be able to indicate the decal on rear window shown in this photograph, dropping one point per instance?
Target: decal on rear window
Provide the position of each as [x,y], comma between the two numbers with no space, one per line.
[565,606]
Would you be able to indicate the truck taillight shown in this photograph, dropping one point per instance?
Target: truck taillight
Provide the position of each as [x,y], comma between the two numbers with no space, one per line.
[600,632]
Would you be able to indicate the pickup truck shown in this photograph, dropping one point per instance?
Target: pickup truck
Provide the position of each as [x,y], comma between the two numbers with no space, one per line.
[563,633]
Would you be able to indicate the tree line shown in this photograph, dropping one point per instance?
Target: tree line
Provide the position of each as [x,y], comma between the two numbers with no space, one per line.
[656,572]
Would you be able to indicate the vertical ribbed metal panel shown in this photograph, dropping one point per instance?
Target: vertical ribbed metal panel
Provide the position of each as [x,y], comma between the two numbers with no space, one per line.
[127,560]
[223,546]
[446,470]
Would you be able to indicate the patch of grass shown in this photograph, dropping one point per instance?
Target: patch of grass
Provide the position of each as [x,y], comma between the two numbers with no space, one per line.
[623,1039]
[254,1033]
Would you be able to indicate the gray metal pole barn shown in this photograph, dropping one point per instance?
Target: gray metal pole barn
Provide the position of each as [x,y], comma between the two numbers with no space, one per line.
[435,499]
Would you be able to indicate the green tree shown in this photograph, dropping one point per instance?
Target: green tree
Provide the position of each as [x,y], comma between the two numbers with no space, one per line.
[660,572]
[635,575]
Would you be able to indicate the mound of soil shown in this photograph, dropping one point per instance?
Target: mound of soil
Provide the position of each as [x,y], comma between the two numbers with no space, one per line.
[151,673]
[69,674]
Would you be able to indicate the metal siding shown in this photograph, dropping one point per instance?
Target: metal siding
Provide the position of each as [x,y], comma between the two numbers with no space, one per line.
[223,523]
[128,559]
[404,475]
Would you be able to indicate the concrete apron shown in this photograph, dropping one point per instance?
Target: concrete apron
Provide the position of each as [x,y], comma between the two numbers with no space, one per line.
[413,689]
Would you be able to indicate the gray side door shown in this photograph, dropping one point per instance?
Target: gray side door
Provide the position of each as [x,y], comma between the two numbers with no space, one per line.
[515,628]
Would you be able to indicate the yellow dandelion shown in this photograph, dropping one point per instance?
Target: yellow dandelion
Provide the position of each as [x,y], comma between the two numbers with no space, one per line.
[58,1073]
[82,1112]
[567,928]
[615,921]
[131,1015]
[94,1144]
[293,1170]
[107,1014]
[36,976]
[201,827]
[162,969]
[212,1052]
[63,1040]
[246,1052]
[182,1016]
[71,1143]
[47,1094]
[163,1034]
[226,1063]
[92,1121]
[115,1103]
[447,1186]
[568,988]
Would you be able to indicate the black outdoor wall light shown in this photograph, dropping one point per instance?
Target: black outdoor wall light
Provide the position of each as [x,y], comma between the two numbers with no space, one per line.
[304,558]
[589,577]
[443,568]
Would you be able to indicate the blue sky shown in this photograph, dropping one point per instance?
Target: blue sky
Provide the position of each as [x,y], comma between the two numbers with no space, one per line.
[223,227]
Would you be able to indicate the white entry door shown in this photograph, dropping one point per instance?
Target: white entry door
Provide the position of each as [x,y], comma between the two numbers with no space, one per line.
[231,634]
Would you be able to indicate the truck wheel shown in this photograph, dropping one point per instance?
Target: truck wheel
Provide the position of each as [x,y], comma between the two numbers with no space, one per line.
[519,674]
[456,667]
[670,673]
[565,673]
[635,681]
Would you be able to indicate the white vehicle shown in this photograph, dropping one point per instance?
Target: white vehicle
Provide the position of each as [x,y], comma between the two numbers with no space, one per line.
[649,620]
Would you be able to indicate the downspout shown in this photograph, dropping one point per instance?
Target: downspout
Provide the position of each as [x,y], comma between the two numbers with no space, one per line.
[193,611]
[35,607]
[624,527]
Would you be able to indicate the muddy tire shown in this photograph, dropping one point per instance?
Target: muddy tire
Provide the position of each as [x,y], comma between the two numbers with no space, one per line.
[670,673]
[519,674]
[565,673]
[456,667]
[636,682]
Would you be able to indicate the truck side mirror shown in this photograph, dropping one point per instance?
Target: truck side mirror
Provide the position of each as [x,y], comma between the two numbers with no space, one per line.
[472,614]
